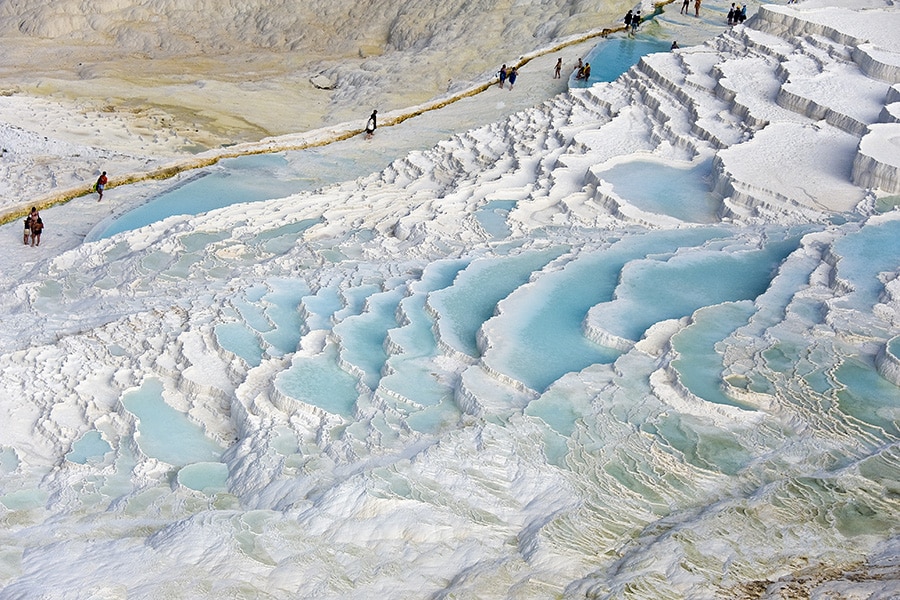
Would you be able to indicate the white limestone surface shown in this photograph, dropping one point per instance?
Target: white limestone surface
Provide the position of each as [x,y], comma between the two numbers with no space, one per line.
[738,439]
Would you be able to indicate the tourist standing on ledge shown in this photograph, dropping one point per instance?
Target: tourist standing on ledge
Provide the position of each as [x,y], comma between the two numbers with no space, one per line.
[101,185]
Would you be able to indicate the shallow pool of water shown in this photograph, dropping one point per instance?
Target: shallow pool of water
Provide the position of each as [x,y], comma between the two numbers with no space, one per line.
[614,56]
[90,447]
[165,433]
[654,187]
[319,381]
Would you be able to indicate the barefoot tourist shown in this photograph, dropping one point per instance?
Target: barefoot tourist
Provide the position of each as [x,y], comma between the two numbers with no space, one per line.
[101,185]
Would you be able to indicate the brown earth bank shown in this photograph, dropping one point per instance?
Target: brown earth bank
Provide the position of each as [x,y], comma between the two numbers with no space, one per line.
[224,73]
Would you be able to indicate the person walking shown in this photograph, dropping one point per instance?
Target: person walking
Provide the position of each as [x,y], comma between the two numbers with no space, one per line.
[696,8]
[101,185]
[556,71]
[502,76]
[685,7]
[371,124]
[513,74]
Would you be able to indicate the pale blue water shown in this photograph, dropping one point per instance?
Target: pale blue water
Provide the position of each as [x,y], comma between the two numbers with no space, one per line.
[243,179]
[699,364]
[282,310]
[546,341]
[658,188]
[362,336]
[556,409]
[24,499]
[353,299]
[319,381]
[411,371]
[701,444]
[435,418]
[324,303]
[251,311]
[655,290]
[863,256]
[207,477]
[90,446]
[614,56]
[280,239]
[872,401]
[9,461]
[240,340]
[440,274]
[476,291]
[492,217]
[165,433]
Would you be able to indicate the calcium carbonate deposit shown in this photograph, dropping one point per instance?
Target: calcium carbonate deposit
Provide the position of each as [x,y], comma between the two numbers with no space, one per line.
[639,340]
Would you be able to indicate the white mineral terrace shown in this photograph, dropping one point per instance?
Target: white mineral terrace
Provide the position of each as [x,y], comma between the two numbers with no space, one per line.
[496,368]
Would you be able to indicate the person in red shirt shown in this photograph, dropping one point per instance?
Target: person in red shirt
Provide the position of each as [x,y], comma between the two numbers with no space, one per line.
[100,185]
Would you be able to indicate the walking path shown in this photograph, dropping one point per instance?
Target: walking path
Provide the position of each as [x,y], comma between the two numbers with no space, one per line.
[536,85]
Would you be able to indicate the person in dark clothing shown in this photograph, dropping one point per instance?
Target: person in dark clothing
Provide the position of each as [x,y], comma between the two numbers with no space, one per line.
[372,124]
[37,226]
[29,219]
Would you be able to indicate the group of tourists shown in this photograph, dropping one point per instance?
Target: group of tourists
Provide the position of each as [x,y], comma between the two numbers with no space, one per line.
[737,14]
[509,75]
[632,21]
[685,7]
[33,227]
[582,70]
